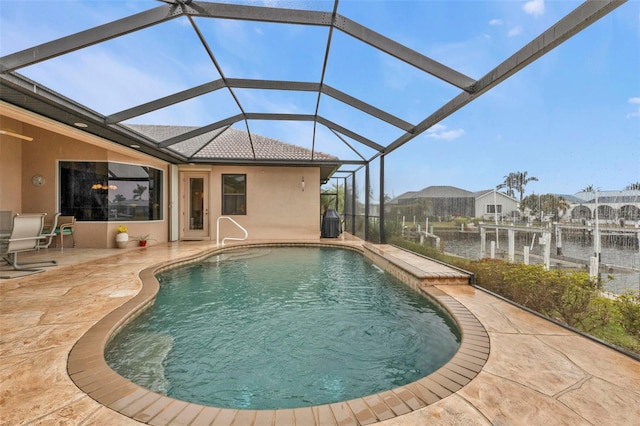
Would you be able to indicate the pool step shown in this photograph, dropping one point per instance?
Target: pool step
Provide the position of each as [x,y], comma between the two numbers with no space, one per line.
[238,254]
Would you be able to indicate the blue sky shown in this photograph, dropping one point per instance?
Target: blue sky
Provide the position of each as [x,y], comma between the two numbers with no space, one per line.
[571,119]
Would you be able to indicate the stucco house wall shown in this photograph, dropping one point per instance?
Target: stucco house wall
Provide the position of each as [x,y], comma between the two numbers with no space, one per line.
[509,205]
[10,168]
[21,160]
[278,207]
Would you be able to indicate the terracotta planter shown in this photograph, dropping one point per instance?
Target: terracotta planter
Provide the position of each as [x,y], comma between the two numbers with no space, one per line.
[143,243]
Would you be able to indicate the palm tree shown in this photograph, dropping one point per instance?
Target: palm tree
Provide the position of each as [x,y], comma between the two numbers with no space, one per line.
[509,183]
[517,181]
[137,193]
[554,204]
[333,197]
[522,180]
[589,188]
[633,186]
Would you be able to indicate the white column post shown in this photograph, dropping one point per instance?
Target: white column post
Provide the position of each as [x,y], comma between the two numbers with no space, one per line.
[512,245]
[596,235]
[546,240]
[593,267]
[558,240]
[495,215]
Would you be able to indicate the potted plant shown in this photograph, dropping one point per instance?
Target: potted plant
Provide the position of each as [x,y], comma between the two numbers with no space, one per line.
[122,237]
[143,240]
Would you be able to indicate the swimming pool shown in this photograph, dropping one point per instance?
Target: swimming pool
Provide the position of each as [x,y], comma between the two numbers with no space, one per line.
[315,309]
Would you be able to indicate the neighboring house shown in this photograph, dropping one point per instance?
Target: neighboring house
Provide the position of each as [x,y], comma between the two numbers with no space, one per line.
[448,201]
[488,201]
[612,206]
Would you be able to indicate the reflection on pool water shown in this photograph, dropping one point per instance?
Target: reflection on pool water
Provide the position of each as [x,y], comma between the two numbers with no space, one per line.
[270,328]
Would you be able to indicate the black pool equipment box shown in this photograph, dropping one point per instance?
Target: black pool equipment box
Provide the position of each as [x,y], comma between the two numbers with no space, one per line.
[331,227]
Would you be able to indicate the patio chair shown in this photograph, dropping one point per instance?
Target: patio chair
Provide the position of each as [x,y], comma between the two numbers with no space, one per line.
[6,219]
[25,235]
[49,230]
[66,226]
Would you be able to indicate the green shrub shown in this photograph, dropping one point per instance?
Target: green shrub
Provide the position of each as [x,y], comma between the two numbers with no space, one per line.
[490,274]
[602,311]
[570,297]
[429,251]
[564,296]
[459,221]
[577,302]
[628,306]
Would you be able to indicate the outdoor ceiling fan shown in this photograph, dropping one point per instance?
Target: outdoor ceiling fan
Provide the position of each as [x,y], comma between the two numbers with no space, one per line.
[15,135]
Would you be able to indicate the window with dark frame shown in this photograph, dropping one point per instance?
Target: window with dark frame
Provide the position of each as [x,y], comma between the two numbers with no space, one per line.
[491,208]
[234,194]
[108,191]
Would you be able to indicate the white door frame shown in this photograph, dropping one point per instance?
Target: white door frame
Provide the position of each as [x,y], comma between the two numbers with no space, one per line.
[195,222]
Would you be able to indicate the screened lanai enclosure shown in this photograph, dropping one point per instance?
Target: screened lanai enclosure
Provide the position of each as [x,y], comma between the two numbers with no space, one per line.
[386,97]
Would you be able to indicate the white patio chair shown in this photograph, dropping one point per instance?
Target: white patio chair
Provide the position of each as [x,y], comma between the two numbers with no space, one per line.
[26,234]
[6,219]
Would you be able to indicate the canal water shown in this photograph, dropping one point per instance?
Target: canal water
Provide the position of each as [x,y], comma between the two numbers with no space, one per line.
[621,262]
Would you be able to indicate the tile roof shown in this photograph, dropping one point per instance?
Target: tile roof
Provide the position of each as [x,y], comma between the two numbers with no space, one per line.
[443,192]
[228,143]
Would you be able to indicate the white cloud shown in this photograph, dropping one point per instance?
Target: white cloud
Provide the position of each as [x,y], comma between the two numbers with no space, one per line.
[534,7]
[440,131]
[634,114]
[515,31]
[495,22]
[634,101]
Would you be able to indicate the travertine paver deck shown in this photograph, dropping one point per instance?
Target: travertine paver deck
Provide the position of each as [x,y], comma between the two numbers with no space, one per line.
[536,373]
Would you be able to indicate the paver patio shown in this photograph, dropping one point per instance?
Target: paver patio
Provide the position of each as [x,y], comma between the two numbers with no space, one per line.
[537,373]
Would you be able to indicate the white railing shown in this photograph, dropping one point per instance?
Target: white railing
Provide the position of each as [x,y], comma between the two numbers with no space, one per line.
[246,234]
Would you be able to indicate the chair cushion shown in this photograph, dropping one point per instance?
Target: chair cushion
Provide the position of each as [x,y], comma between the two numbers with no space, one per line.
[66,231]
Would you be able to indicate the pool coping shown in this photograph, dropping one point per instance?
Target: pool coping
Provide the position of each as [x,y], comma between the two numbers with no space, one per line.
[88,369]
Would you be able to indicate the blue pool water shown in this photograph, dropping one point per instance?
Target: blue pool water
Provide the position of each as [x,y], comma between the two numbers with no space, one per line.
[270,328]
